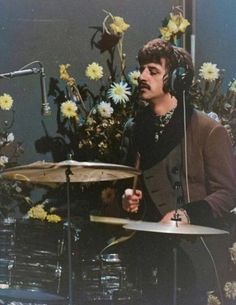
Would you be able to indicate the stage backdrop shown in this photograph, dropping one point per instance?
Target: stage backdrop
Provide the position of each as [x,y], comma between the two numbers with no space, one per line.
[58,32]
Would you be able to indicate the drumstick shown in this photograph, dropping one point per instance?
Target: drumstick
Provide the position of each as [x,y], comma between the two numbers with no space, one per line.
[137,166]
[135,181]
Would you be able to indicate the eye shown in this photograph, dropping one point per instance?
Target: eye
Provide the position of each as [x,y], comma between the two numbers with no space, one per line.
[153,71]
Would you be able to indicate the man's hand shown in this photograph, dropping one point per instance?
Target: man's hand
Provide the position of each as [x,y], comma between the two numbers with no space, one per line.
[181,215]
[131,200]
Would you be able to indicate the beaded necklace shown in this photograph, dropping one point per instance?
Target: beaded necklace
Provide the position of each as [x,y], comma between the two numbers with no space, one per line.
[161,122]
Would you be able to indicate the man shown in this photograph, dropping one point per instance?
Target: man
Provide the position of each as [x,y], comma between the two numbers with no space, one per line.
[186,158]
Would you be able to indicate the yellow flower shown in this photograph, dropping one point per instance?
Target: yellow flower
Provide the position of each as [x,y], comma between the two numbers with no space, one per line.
[108,195]
[172,26]
[68,109]
[209,71]
[37,212]
[64,75]
[6,102]
[94,71]
[118,26]
[166,33]
[53,218]
[183,25]
[180,23]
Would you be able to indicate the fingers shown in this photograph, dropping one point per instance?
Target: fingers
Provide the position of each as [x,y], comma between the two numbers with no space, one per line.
[131,201]
[181,216]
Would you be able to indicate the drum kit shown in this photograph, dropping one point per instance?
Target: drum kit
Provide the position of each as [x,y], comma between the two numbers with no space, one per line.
[70,171]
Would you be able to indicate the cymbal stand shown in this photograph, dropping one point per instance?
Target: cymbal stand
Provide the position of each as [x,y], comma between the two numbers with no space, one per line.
[177,219]
[68,172]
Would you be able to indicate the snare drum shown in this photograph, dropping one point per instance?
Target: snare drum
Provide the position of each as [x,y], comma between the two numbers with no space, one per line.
[103,278]
[31,260]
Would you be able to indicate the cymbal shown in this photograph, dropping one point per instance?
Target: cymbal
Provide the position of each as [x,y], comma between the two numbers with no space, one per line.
[45,172]
[172,228]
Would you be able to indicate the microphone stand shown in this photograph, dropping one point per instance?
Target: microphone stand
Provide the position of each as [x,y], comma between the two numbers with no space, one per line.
[68,172]
[45,108]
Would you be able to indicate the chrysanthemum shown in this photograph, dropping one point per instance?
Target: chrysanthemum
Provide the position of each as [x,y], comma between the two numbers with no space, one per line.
[232,85]
[6,102]
[230,290]
[68,109]
[118,26]
[3,160]
[37,212]
[213,300]
[119,92]
[94,71]
[209,71]
[133,77]
[105,109]
[108,195]
[53,218]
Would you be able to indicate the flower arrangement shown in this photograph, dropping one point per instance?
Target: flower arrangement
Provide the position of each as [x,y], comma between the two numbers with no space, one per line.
[39,211]
[174,26]
[16,195]
[10,150]
[229,287]
[91,123]
[209,98]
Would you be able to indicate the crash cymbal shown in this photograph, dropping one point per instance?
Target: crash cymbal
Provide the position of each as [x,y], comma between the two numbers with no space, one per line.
[172,228]
[46,172]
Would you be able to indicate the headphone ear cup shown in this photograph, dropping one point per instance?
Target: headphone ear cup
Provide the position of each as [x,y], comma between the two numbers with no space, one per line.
[179,80]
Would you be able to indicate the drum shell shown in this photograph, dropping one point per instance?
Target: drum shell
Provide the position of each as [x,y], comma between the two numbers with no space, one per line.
[31,258]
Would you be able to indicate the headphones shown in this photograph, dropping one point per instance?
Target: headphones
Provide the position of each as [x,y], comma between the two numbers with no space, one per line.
[179,79]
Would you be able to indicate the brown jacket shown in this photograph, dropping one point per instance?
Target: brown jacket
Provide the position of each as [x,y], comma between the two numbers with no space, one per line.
[211,169]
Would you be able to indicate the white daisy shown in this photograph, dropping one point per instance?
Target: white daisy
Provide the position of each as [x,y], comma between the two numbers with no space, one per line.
[133,77]
[105,109]
[232,85]
[119,92]
[209,71]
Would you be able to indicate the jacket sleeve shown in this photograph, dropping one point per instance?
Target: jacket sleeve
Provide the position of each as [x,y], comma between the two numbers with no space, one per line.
[220,171]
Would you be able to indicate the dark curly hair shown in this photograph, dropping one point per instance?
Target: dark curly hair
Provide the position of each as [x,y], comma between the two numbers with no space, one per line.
[156,49]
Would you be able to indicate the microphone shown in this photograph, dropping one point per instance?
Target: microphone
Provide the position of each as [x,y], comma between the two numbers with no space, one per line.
[20,73]
[45,109]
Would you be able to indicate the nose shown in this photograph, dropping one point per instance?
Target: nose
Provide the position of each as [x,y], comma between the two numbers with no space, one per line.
[143,75]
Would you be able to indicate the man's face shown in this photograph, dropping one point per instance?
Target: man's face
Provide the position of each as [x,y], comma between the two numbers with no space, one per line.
[151,81]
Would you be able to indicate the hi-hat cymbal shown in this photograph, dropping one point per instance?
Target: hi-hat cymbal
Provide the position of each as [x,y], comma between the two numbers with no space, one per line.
[45,172]
[172,228]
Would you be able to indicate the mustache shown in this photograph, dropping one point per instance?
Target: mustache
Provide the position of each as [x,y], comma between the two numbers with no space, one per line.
[142,85]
